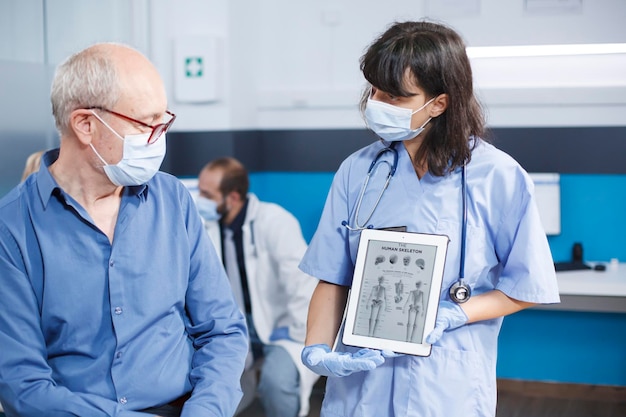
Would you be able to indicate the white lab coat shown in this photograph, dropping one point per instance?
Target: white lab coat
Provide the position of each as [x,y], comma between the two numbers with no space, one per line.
[279,291]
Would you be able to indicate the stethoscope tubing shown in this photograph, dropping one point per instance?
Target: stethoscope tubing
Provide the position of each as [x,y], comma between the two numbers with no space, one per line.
[460,284]
[392,170]
[460,292]
[463,224]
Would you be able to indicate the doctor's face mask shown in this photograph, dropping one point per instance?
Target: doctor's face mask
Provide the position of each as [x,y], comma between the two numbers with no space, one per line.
[392,123]
[207,209]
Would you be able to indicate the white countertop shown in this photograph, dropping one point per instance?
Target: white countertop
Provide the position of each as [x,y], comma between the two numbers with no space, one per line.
[610,282]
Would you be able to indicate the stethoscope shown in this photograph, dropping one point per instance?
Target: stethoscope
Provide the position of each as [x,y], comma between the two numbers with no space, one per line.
[392,170]
[459,292]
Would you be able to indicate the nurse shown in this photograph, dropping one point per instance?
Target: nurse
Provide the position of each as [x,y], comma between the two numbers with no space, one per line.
[420,102]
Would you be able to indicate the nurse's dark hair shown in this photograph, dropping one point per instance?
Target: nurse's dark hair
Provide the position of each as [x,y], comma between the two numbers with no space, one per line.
[234,178]
[434,55]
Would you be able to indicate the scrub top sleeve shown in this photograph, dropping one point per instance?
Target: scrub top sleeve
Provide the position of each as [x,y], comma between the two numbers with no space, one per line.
[328,255]
[522,246]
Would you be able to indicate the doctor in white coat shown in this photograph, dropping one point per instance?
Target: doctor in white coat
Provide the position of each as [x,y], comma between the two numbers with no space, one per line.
[262,244]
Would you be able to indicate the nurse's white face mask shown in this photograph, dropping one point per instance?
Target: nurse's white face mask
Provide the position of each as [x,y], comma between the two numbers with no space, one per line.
[392,123]
[140,160]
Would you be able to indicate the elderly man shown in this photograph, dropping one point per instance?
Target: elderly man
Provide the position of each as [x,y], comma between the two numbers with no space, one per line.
[114,302]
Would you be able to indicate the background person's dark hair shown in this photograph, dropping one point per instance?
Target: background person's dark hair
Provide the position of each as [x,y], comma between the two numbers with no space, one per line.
[235,175]
[435,56]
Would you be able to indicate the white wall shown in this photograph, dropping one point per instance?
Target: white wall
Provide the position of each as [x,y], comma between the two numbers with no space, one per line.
[294,63]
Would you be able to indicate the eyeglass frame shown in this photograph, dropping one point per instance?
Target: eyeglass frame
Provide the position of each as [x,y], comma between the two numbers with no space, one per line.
[153,136]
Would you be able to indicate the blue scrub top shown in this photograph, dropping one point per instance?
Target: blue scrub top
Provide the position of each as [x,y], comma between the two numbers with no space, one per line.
[507,249]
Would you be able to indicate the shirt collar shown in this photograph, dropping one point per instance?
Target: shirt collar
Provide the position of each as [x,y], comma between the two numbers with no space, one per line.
[47,185]
[237,223]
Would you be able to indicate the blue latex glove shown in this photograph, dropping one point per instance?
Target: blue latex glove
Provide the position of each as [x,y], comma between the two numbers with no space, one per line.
[449,316]
[322,361]
[390,354]
[280,333]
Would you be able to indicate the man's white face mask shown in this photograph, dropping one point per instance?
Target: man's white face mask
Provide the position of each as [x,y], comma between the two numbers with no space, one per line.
[140,160]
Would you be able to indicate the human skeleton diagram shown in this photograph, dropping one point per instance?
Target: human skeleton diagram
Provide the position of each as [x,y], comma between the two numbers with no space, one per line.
[415,304]
[377,303]
[399,290]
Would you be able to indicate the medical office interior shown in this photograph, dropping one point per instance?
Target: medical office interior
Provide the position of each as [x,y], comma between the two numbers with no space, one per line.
[275,83]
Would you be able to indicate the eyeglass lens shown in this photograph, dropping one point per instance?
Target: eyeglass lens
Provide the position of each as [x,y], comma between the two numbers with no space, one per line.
[161,128]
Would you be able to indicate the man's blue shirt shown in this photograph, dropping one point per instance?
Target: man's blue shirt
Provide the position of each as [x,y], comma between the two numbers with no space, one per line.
[90,328]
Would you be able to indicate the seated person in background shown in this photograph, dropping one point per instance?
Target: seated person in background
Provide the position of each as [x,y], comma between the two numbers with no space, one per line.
[114,302]
[32,164]
[262,245]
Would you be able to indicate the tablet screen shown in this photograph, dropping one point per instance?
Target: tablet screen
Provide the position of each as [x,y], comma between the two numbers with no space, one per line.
[395,290]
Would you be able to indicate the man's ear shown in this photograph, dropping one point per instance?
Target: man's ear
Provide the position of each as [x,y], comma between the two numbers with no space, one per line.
[82,124]
[234,198]
[440,104]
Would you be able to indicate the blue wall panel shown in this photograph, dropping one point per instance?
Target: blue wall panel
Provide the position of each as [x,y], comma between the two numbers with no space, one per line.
[593,209]
[593,212]
[564,346]
[302,193]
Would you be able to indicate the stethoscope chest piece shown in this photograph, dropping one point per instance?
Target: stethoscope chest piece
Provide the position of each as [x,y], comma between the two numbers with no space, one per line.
[460,292]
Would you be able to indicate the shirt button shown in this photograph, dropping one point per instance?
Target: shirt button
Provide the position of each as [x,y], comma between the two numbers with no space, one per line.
[118,310]
[111,263]
[118,355]
[123,400]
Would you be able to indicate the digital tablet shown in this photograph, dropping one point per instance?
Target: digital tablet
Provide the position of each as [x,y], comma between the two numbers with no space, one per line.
[395,291]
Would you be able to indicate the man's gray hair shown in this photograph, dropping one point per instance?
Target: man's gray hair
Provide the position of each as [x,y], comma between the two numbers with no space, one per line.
[84,80]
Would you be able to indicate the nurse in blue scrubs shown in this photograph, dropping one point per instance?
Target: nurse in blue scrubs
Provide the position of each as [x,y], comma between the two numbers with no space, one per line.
[420,102]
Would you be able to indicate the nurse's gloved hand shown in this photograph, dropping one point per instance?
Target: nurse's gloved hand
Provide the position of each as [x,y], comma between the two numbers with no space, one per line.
[449,316]
[321,360]
[387,354]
